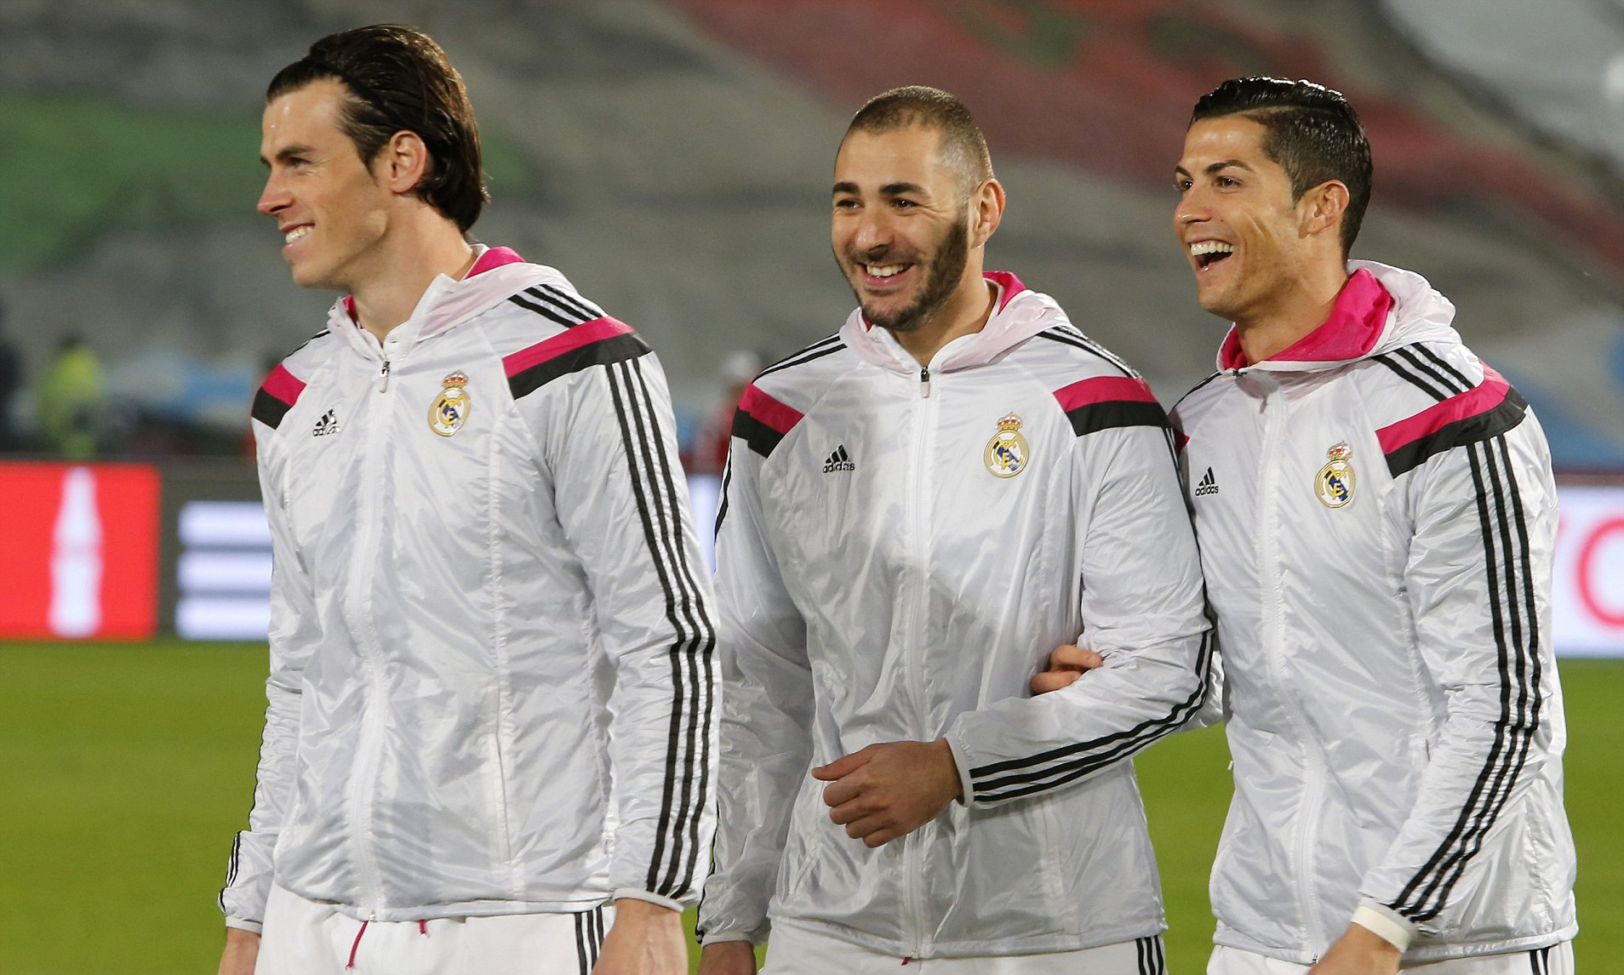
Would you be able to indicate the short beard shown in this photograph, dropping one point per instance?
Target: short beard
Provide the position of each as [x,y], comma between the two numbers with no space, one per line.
[941,278]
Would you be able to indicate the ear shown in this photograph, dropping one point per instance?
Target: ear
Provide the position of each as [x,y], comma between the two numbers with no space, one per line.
[403,162]
[1321,209]
[986,211]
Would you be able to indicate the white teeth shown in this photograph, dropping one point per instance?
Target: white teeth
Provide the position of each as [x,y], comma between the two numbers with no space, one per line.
[296,233]
[1210,247]
[886,270]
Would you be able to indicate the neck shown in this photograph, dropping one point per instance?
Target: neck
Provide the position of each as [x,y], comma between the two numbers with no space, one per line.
[965,312]
[407,264]
[1294,312]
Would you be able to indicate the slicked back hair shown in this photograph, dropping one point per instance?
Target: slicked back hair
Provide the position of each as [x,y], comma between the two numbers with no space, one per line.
[963,145]
[397,79]
[1311,132]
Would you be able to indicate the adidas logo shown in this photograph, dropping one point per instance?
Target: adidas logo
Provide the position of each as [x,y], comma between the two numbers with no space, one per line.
[1208,485]
[839,461]
[327,424]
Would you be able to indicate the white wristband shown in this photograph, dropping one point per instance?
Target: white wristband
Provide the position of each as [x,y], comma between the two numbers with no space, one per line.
[1382,926]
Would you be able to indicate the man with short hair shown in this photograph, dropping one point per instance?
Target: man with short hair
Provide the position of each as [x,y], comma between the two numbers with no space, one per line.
[917,509]
[491,692]
[1377,516]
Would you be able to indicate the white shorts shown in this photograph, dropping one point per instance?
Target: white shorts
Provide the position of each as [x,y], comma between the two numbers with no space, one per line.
[1555,960]
[303,937]
[795,950]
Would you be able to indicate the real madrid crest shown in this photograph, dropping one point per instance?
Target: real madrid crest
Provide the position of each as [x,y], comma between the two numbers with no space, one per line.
[450,409]
[1007,452]
[1334,482]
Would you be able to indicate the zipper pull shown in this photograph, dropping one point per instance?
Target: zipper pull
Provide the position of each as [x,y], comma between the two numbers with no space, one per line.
[924,381]
[383,377]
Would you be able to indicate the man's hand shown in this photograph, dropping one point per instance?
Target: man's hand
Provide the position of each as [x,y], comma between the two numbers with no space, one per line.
[1360,951]
[891,789]
[1066,664]
[646,939]
[728,958]
[241,951]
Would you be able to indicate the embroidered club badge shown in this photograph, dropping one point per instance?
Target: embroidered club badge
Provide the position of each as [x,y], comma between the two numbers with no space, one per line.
[1334,482]
[450,409]
[1007,452]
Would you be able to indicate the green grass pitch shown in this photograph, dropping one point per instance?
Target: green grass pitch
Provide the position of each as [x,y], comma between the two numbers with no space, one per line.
[124,771]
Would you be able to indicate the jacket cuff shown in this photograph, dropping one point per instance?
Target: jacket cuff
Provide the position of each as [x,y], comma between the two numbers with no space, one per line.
[1385,923]
[961,764]
[243,924]
[721,937]
[638,894]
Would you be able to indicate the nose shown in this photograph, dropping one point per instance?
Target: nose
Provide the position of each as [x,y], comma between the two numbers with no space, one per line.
[275,197]
[1192,208]
[874,230]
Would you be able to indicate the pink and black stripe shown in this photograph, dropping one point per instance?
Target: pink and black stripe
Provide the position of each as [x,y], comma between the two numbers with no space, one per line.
[599,342]
[278,394]
[1470,415]
[762,422]
[1476,418]
[1108,402]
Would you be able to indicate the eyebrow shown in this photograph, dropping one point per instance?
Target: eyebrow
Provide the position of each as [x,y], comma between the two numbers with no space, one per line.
[889,189]
[1215,167]
[287,152]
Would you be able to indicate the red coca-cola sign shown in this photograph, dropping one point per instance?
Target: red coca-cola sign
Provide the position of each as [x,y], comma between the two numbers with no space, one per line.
[81,551]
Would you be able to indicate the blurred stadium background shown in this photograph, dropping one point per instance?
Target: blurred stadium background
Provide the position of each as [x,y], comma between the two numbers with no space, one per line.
[672,157]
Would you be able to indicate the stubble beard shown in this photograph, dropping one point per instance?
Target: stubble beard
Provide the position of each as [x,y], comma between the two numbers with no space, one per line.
[941,279]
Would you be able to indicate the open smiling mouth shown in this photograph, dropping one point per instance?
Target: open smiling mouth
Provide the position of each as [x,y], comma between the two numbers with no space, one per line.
[1210,252]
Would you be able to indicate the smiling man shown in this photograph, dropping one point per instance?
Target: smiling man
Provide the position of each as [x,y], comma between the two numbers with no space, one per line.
[490,731]
[1376,515]
[917,510]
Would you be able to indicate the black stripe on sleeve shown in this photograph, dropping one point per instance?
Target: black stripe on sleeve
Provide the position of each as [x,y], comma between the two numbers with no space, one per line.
[727,483]
[690,624]
[574,304]
[617,348]
[697,655]
[1111,414]
[1473,429]
[760,437]
[1078,340]
[1443,364]
[1403,372]
[1018,777]
[568,321]
[1503,524]
[817,350]
[268,410]
[1445,378]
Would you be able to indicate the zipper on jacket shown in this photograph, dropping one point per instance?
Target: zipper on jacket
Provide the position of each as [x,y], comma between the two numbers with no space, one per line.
[1269,577]
[919,491]
[360,613]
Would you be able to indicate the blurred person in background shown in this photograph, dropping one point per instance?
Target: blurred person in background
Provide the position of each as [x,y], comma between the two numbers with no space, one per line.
[709,452]
[11,380]
[919,508]
[1377,517]
[490,732]
[71,399]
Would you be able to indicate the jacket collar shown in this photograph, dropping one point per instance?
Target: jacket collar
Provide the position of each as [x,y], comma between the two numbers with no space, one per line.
[1018,314]
[1379,308]
[497,273]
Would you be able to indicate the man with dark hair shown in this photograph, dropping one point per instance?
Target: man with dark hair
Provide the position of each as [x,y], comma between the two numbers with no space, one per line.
[491,693]
[917,510]
[1377,516]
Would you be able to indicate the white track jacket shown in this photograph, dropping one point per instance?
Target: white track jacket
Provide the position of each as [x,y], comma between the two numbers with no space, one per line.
[899,550]
[491,685]
[1377,516]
